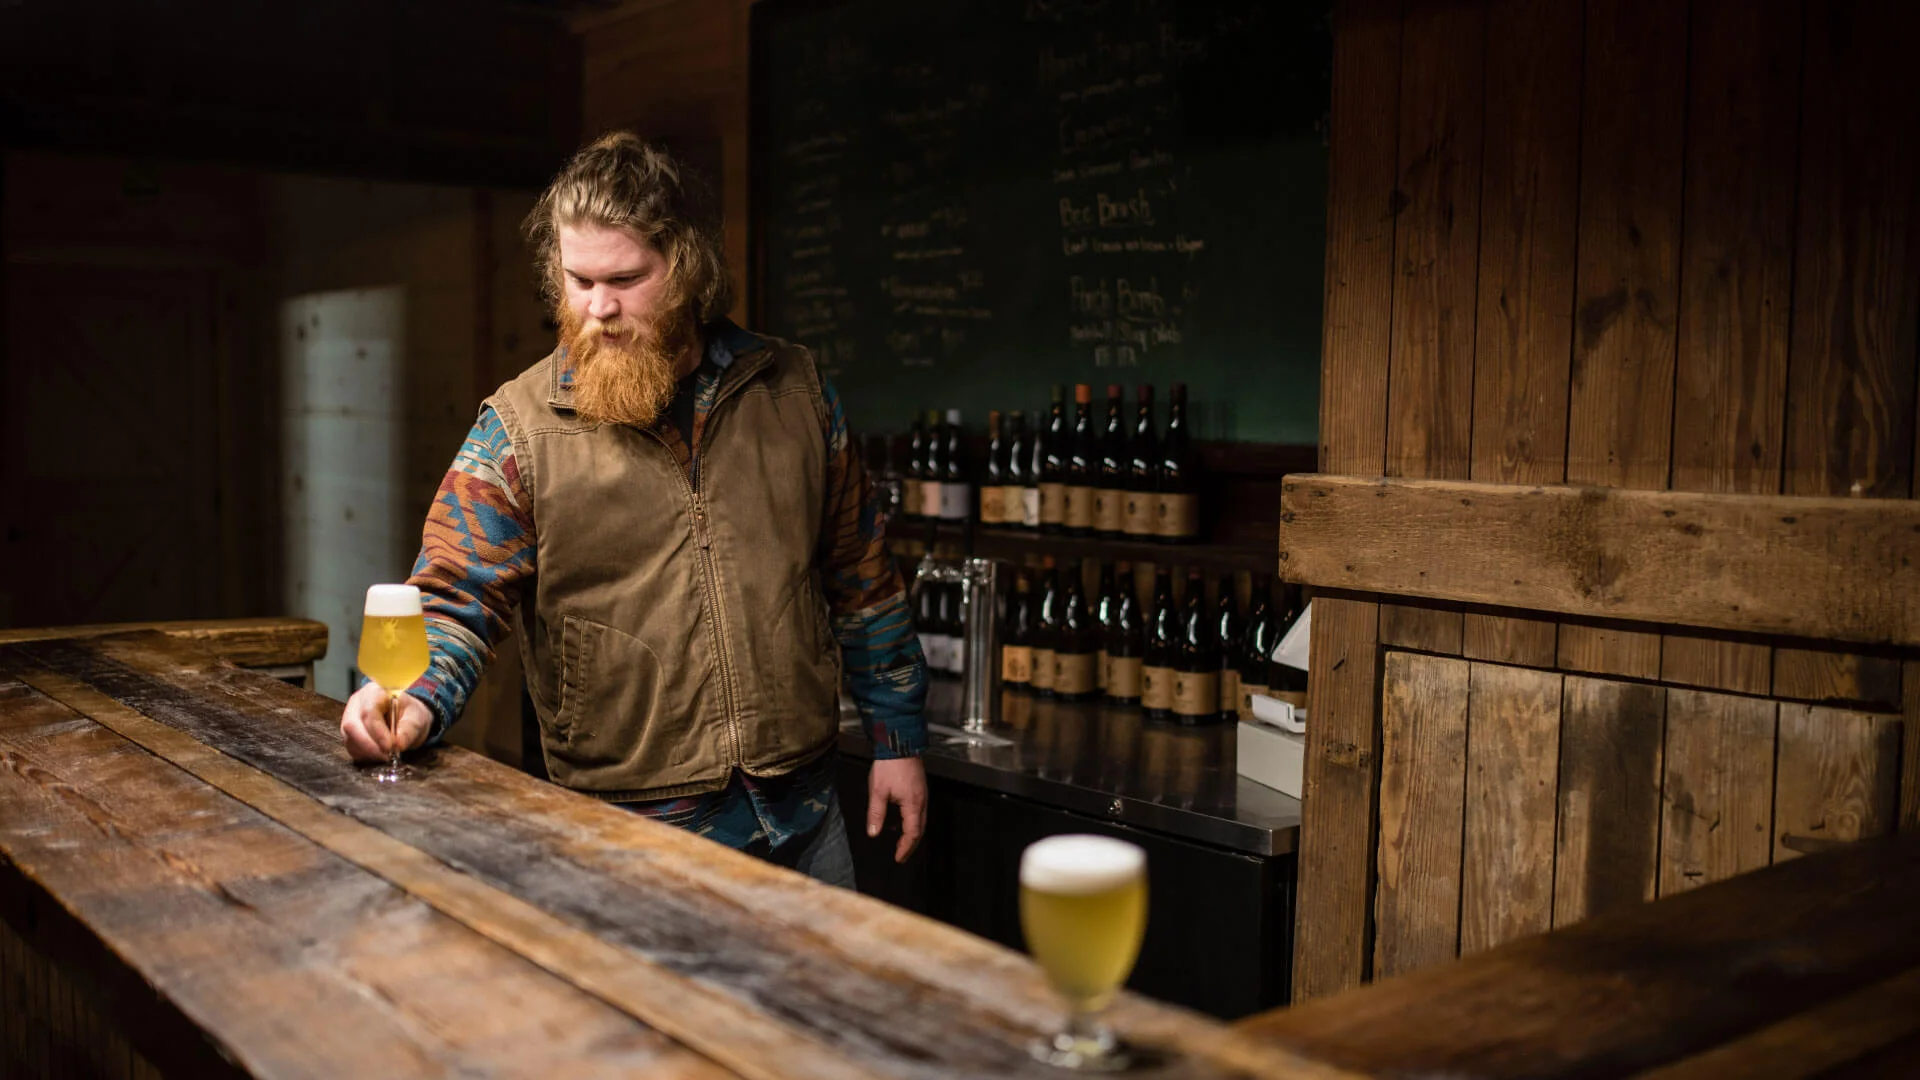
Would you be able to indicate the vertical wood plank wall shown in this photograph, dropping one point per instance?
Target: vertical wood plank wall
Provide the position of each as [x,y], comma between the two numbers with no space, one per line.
[1636,243]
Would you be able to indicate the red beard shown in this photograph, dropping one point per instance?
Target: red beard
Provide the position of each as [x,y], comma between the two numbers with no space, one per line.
[624,371]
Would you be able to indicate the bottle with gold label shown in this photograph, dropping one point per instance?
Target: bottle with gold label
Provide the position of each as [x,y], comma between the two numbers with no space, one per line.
[1054,453]
[1102,618]
[1226,623]
[1046,629]
[994,477]
[1196,661]
[1257,644]
[1076,649]
[935,482]
[1016,637]
[1126,640]
[1137,518]
[1177,499]
[1110,488]
[1083,466]
[1163,631]
[910,491]
[1014,476]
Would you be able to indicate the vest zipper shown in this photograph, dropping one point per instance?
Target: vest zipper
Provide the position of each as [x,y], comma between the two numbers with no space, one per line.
[703,536]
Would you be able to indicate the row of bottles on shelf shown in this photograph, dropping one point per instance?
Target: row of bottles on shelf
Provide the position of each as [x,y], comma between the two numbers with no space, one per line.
[1179,659]
[1075,476]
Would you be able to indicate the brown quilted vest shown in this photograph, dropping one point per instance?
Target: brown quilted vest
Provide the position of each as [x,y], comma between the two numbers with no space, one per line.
[673,633]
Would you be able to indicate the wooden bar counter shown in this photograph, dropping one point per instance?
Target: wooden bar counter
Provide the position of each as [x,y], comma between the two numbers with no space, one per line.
[196,882]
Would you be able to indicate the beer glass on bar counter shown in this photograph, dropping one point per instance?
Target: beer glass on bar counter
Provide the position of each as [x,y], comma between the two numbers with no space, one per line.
[393,653]
[1083,908]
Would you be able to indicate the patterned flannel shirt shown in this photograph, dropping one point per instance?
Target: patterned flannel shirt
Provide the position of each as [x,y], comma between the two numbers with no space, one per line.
[477,557]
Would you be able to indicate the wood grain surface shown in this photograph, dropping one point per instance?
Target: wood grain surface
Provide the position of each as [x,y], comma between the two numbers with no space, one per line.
[1513,784]
[1652,985]
[1612,739]
[1846,569]
[1423,777]
[260,642]
[744,964]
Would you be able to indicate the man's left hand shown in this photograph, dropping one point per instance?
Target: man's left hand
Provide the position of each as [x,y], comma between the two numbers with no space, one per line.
[903,781]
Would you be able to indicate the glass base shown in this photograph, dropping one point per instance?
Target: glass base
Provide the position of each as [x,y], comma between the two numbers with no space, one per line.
[390,773]
[1087,1051]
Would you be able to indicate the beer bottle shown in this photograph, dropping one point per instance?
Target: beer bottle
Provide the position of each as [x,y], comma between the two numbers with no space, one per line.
[1196,663]
[910,496]
[1257,645]
[1143,465]
[1177,510]
[1083,469]
[1103,606]
[993,479]
[1053,466]
[1014,493]
[936,468]
[1110,489]
[1226,623]
[1046,629]
[1126,641]
[1076,649]
[1016,636]
[1288,683]
[1163,628]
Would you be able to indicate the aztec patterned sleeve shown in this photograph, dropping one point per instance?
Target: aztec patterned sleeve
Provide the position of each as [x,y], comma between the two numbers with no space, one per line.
[476,552]
[868,602]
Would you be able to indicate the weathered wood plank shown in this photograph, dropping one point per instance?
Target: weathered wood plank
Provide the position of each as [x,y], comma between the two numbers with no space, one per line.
[1332,939]
[241,924]
[1513,785]
[1856,293]
[626,907]
[1523,332]
[1837,778]
[1338,808]
[1846,569]
[1717,800]
[1423,777]
[1620,409]
[1436,251]
[260,642]
[1361,201]
[1815,1041]
[1612,739]
[1606,997]
[1736,276]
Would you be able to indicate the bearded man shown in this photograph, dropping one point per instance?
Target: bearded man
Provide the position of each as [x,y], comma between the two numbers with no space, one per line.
[673,510]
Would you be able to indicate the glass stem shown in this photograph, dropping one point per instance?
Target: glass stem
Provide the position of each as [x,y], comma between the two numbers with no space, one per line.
[393,730]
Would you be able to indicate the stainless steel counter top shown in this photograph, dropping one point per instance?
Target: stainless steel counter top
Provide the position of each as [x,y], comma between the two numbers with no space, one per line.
[1108,762]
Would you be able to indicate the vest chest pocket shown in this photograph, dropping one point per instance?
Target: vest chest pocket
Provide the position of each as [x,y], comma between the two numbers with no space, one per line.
[612,708]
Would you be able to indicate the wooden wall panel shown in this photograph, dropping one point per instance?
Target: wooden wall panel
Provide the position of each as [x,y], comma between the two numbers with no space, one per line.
[1523,333]
[1436,250]
[1910,749]
[1717,798]
[1730,380]
[1332,940]
[1850,412]
[1513,781]
[1620,408]
[1837,778]
[1612,741]
[1423,757]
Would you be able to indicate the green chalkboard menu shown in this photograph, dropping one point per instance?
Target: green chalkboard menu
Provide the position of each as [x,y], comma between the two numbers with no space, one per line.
[960,202]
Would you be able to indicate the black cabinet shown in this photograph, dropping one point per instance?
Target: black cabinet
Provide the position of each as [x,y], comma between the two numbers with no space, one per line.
[1219,922]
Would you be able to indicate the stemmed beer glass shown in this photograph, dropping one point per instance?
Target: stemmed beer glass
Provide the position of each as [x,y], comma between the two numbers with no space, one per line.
[393,653]
[1083,906]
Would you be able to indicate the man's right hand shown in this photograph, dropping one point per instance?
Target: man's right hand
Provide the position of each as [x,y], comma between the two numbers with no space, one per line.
[363,724]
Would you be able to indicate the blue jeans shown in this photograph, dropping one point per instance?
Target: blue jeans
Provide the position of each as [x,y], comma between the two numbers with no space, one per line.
[822,855]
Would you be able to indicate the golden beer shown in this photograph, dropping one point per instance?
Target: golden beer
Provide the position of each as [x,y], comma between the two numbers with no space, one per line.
[393,649]
[1083,907]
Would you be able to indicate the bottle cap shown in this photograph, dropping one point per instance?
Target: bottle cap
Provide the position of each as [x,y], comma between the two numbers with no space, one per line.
[1145,392]
[953,417]
[1058,394]
[1115,390]
[1082,393]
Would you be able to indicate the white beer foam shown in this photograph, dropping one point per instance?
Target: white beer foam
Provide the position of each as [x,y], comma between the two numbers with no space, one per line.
[393,601]
[1079,864]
